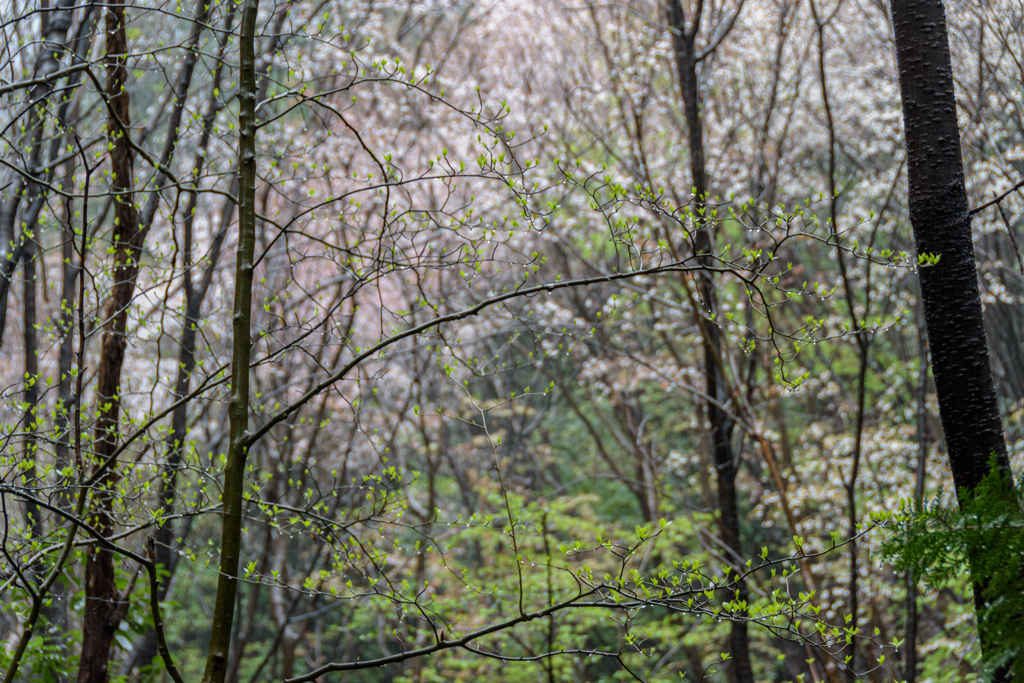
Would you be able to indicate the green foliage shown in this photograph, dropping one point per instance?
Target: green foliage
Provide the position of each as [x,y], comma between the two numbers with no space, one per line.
[982,538]
[45,661]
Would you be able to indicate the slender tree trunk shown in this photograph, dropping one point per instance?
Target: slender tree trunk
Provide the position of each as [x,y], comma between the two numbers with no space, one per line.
[238,407]
[949,289]
[52,612]
[65,402]
[33,513]
[910,647]
[68,111]
[862,341]
[683,41]
[104,606]
[287,636]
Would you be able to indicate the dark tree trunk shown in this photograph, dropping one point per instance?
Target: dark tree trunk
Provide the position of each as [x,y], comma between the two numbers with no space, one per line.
[949,289]
[684,44]
[127,269]
[238,407]
[52,613]
[104,606]
[33,513]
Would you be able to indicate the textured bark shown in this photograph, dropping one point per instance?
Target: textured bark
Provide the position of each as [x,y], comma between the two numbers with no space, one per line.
[238,406]
[684,45]
[104,605]
[949,289]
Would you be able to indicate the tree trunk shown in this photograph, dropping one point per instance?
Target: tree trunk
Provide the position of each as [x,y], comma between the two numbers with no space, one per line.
[33,513]
[684,45]
[288,637]
[949,289]
[104,606]
[238,406]
[910,663]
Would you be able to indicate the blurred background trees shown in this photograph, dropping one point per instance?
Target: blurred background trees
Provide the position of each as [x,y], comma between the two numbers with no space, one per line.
[585,339]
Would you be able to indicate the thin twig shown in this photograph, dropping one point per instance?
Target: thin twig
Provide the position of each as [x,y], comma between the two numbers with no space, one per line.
[998,199]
